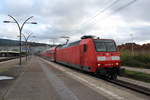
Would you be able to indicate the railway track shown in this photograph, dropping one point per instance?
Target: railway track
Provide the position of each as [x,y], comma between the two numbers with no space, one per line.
[5,59]
[131,86]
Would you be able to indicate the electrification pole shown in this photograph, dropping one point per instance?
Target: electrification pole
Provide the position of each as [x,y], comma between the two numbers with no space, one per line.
[132,48]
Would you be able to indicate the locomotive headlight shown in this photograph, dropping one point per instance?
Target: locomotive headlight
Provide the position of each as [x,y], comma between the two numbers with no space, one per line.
[117,64]
[115,58]
[101,58]
[98,64]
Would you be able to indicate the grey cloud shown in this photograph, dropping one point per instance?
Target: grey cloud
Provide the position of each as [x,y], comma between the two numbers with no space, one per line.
[66,16]
[139,34]
[142,33]
[137,11]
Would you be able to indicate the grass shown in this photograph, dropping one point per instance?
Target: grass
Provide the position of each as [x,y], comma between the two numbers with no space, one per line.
[2,99]
[141,60]
[137,75]
[3,70]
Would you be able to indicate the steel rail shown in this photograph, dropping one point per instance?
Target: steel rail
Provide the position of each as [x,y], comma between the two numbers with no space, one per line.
[134,87]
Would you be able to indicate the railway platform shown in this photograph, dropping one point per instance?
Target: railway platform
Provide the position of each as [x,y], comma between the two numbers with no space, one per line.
[44,80]
[39,81]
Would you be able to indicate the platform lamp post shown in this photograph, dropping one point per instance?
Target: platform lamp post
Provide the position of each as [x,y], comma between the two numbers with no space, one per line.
[20,27]
[30,44]
[26,42]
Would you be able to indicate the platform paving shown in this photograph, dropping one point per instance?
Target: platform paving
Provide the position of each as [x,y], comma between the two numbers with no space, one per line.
[40,81]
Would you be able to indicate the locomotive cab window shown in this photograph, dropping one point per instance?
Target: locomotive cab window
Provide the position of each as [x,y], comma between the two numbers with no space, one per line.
[105,45]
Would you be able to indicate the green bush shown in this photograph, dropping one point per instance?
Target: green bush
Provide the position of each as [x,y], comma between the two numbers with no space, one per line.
[136,60]
[137,75]
[142,58]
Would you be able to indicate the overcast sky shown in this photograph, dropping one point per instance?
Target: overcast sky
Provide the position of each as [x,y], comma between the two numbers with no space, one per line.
[122,20]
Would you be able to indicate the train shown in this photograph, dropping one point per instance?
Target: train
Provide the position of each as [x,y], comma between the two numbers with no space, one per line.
[93,55]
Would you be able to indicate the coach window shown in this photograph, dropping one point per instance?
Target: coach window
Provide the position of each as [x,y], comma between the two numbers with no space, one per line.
[84,47]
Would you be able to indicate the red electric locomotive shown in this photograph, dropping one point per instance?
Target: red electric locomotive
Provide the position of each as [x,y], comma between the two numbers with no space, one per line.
[98,56]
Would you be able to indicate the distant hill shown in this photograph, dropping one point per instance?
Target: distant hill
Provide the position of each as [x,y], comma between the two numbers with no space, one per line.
[8,42]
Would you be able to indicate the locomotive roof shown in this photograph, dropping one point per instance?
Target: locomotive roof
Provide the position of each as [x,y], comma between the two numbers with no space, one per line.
[78,41]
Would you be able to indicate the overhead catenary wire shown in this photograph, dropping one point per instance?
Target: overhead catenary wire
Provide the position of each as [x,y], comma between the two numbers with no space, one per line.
[114,12]
[126,5]
[99,13]
[117,10]
[104,9]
